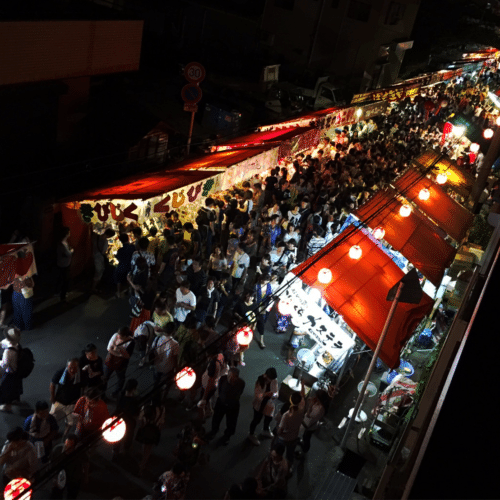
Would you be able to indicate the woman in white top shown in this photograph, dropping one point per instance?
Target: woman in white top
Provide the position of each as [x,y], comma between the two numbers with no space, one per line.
[265,392]
[11,385]
[217,263]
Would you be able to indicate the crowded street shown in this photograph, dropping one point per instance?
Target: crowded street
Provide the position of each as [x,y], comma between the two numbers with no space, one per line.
[200,291]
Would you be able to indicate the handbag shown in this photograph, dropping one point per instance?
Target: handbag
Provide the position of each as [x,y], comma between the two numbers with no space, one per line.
[27,292]
[114,362]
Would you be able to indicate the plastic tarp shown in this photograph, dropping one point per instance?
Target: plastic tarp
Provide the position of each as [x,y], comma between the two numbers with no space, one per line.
[358,292]
[448,214]
[415,237]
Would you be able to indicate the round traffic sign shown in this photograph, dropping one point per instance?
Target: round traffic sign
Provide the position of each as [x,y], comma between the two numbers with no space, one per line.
[191,93]
[194,72]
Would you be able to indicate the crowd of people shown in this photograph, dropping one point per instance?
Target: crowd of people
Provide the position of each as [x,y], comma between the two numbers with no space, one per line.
[189,285]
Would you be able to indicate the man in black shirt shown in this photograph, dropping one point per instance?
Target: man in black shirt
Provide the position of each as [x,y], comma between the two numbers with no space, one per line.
[195,240]
[65,390]
[196,276]
[231,387]
[91,367]
[271,184]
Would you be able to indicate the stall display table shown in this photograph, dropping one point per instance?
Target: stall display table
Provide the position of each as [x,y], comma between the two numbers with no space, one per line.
[289,386]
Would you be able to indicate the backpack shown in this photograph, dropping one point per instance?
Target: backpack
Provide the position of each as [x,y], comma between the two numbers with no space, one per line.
[204,217]
[25,361]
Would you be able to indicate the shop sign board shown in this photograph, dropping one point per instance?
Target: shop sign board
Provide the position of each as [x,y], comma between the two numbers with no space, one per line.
[184,200]
[308,317]
[396,93]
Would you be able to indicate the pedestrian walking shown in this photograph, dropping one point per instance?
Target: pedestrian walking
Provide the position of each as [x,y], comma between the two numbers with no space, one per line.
[11,384]
[265,393]
[65,390]
[91,367]
[120,349]
[231,387]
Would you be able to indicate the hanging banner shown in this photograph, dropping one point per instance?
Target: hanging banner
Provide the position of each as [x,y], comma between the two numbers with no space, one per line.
[17,260]
[248,168]
[185,201]
[308,317]
[396,93]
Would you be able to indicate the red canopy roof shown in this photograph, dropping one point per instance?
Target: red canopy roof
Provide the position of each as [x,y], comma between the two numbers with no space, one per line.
[258,138]
[148,185]
[414,236]
[443,210]
[358,292]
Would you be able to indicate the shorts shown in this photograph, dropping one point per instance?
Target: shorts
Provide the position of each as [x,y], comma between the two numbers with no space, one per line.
[61,411]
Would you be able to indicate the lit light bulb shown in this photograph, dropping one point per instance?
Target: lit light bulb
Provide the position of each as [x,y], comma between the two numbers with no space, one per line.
[285,307]
[474,147]
[115,431]
[497,121]
[379,233]
[441,178]
[16,489]
[424,194]
[355,252]
[488,133]
[405,211]
[244,335]
[314,294]
[185,379]
[359,112]
[325,276]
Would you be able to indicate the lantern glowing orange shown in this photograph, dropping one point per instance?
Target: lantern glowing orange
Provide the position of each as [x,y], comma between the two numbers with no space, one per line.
[405,211]
[441,178]
[488,133]
[244,335]
[285,307]
[324,276]
[424,194]
[113,429]
[18,489]
[355,252]
[185,379]
[378,233]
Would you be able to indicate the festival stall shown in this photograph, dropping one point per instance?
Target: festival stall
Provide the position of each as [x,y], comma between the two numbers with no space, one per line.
[412,234]
[454,177]
[17,260]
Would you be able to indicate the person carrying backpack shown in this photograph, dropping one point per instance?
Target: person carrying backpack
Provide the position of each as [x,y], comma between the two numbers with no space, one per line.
[205,219]
[16,364]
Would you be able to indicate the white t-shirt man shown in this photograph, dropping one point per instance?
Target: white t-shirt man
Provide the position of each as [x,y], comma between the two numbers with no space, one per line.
[166,354]
[189,298]
[240,264]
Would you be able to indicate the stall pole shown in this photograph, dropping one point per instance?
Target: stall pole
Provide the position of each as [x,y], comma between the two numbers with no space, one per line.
[361,395]
[190,132]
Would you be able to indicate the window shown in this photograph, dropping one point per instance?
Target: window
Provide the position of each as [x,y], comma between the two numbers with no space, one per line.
[395,13]
[359,11]
[285,4]
[335,4]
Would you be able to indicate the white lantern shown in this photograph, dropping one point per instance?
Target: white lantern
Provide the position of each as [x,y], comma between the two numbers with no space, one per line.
[325,276]
[185,379]
[474,147]
[355,252]
[488,133]
[441,178]
[244,335]
[405,210]
[285,307]
[424,194]
[18,489]
[497,121]
[314,294]
[379,233]
[113,429]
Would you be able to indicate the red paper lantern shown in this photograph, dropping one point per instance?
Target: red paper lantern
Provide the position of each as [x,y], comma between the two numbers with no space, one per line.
[244,335]
[113,429]
[185,379]
[18,489]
